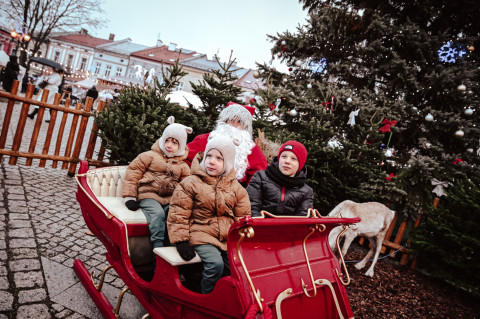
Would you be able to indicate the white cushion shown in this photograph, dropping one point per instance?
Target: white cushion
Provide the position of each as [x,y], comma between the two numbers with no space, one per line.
[170,254]
[116,207]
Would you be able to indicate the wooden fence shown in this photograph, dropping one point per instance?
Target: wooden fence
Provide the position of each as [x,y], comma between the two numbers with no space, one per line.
[76,133]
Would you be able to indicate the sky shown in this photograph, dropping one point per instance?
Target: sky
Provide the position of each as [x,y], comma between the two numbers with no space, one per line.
[205,26]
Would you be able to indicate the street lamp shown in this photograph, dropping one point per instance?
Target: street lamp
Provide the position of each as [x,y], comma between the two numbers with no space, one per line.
[19,37]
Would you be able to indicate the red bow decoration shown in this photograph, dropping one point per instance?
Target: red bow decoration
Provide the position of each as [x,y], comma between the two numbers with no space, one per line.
[389,178]
[386,127]
[329,103]
[252,100]
[458,160]
[272,106]
[283,48]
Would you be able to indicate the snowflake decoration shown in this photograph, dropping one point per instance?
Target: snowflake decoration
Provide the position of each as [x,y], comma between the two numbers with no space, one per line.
[450,52]
[318,66]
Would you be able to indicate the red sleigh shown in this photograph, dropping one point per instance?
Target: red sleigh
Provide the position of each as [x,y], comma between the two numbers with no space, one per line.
[280,267]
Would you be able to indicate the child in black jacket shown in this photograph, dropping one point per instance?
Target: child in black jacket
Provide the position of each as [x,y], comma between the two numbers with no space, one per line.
[281,188]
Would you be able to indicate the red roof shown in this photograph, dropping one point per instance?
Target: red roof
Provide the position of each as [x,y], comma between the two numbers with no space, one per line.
[163,54]
[82,39]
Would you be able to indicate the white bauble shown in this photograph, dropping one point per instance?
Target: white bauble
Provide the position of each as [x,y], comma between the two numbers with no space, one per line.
[309,85]
[349,100]
[298,63]
[428,145]
[468,111]
[256,74]
[293,112]
[459,133]
[284,42]
[470,150]
[429,117]
[461,88]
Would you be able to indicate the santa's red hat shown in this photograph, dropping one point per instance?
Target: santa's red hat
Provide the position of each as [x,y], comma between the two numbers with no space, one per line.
[250,109]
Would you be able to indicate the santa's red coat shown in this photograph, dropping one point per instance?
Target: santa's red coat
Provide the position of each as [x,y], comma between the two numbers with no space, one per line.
[256,159]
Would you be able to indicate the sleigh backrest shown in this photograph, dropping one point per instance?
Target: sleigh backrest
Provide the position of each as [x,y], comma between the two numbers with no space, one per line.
[107,182]
[278,253]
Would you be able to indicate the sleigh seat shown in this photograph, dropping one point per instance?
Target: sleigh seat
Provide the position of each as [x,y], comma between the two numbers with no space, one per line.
[106,183]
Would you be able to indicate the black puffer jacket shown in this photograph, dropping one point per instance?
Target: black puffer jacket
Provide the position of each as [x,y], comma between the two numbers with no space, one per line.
[279,194]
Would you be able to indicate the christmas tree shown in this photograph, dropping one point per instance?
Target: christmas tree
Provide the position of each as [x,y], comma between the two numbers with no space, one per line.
[132,124]
[217,89]
[384,94]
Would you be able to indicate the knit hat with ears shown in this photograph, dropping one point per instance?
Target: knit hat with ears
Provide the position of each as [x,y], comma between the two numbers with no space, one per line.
[298,149]
[178,132]
[243,113]
[226,146]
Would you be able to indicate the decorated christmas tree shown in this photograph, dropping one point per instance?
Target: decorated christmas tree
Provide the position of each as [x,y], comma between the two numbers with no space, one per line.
[384,94]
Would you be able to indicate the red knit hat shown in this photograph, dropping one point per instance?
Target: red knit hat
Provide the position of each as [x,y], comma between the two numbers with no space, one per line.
[298,149]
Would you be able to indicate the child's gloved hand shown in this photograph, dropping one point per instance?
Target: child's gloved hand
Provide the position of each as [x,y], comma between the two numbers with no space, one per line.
[185,250]
[132,204]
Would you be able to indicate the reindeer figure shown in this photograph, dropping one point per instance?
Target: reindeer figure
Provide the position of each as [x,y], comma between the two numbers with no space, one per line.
[376,219]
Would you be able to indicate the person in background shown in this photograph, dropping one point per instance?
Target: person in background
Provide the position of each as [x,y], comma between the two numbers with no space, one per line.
[281,188]
[152,176]
[10,73]
[204,206]
[51,84]
[235,121]
[92,92]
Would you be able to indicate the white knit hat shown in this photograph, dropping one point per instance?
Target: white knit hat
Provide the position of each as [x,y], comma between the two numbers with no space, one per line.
[226,146]
[234,111]
[178,132]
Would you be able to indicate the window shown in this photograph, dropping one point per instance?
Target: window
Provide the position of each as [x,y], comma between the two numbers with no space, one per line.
[119,71]
[56,57]
[131,72]
[108,69]
[83,64]
[98,65]
[69,61]
[179,86]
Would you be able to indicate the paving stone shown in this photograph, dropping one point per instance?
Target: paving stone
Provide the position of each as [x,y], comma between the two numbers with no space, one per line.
[3,255]
[21,243]
[3,270]
[35,311]
[24,264]
[21,253]
[22,216]
[29,279]
[19,223]
[18,206]
[63,314]
[15,197]
[4,282]
[14,189]
[21,233]
[32,295]
[6,301]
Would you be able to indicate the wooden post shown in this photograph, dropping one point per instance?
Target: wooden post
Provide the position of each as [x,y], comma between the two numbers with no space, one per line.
[36,129]
[61,129]
[390,231]
[71,135]
[17,140]
[79,140]
[8,117]
[51,126]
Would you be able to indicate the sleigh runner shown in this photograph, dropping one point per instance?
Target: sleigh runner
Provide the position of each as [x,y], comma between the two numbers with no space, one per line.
[280,267]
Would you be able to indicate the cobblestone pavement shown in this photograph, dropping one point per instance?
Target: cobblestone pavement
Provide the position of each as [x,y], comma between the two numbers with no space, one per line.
[41,233]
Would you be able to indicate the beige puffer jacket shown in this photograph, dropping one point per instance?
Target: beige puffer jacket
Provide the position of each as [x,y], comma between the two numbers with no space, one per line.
[154,175]
[203,207]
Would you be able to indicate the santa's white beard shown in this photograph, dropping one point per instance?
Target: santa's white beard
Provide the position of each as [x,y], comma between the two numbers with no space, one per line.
[242,150]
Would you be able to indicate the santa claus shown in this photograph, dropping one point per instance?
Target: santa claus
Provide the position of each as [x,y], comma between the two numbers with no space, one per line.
[235,121]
